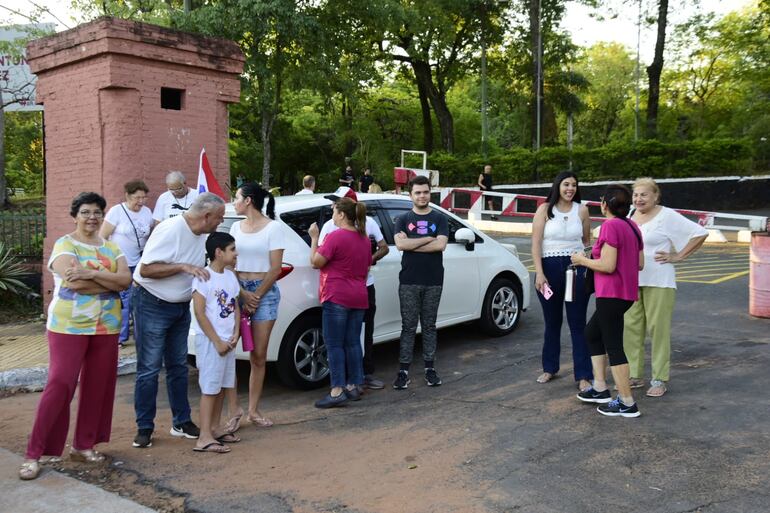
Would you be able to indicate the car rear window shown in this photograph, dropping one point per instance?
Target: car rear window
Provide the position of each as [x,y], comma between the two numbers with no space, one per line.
[300,221]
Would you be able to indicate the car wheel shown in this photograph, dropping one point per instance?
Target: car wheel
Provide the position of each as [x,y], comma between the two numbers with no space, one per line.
[502,307]
[302,360]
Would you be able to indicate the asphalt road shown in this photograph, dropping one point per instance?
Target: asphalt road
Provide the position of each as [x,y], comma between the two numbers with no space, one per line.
[490,439]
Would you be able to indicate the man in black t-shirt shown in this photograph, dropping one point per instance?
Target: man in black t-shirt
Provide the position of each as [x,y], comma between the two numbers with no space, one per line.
[347,179]
[422,235]
[366,180]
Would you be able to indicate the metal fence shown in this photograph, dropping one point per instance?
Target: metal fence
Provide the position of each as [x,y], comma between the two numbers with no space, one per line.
[23,233]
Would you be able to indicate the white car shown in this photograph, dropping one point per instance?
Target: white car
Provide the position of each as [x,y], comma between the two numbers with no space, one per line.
[484,281]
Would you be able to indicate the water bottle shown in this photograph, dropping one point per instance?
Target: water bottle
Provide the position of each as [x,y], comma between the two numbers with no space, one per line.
[569,289]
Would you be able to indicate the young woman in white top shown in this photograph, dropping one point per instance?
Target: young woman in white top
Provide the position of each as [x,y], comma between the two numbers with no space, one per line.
[260,244]
[668,237]
[129,224]
[561,227]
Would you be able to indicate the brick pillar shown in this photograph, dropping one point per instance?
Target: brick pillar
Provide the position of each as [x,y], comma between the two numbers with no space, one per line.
[125,100]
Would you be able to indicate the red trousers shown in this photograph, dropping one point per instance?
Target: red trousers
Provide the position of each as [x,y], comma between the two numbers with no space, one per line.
[95,359]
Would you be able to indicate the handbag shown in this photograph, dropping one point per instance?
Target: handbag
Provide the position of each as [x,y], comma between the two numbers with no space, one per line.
[589,284]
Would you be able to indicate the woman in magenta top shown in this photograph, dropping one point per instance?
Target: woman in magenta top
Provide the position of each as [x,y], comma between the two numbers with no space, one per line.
[344,260]
[617,259]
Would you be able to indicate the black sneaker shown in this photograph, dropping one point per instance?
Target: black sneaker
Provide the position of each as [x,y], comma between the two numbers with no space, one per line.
[590,395]
[186,430]
[143,438]
[616,408]
[402,381]
[431,378]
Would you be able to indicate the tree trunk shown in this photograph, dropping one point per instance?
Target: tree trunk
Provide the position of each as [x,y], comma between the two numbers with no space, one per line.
[424,76]
[3,186]
[427,122]
[654,71]
[268,120]
[534,31]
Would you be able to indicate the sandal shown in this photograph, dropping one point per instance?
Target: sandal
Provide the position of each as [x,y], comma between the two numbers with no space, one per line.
[633,383]
[216,447]
[657,389]
[260,421]
[234,424]
[29,470]
[87,456]
[545,377]
[228,438]
[583,387]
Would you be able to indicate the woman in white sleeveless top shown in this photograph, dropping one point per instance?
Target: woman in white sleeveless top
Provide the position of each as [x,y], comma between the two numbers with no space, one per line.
[561,227]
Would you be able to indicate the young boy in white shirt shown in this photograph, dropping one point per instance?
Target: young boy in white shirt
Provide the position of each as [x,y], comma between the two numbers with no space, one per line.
[215,303]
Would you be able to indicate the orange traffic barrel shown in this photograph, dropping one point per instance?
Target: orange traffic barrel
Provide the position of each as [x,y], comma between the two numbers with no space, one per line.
[759,275]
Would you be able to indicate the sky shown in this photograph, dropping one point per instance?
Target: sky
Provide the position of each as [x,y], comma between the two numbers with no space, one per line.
[585,29]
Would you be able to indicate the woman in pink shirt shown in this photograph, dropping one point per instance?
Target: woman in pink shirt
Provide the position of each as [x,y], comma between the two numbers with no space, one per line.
[344,260]
[617,260]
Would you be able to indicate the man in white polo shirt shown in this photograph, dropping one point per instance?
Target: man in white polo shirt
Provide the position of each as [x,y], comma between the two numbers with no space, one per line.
[173,256]
[374,232]
[176,200]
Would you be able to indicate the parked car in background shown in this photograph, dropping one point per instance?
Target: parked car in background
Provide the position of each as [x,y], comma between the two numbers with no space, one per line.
[484,281]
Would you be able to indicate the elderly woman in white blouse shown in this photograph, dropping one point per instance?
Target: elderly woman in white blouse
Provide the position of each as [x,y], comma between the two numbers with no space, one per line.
[669,237]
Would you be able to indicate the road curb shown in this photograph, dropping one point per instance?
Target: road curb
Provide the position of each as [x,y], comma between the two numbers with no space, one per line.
[34,379]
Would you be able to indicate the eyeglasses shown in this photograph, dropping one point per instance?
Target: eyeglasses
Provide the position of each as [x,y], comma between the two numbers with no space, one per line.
[177,188]
[85,214]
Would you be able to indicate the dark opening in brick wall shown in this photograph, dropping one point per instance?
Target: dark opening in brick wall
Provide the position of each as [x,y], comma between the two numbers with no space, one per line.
[171,98]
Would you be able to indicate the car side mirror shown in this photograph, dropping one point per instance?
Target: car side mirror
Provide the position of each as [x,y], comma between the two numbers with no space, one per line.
[467,237]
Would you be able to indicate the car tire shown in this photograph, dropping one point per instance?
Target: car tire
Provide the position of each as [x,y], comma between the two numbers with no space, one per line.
[501,310]
[302,361]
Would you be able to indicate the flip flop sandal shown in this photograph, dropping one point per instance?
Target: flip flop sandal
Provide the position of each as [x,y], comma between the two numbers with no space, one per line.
[228,438]
[633,383]
[545,377]
[216,447]
[261,421]
[234,424]
[657,390]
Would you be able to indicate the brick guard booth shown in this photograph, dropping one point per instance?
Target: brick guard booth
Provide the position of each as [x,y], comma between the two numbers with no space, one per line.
[126,100]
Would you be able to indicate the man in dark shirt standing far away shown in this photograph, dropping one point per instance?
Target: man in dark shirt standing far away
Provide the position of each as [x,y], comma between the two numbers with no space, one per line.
[422,235]
[347,179]
[366,180]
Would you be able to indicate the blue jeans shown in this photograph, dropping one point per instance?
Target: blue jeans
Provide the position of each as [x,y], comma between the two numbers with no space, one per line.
[160,329]
[125,310]
[554,269]
[342,336]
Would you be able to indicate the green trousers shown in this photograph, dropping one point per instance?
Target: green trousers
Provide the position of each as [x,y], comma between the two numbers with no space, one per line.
[650,314]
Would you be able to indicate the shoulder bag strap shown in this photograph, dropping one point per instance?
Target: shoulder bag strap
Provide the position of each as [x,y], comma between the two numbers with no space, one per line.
[136,234]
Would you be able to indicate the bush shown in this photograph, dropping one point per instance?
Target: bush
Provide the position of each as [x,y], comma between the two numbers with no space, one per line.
[615,161]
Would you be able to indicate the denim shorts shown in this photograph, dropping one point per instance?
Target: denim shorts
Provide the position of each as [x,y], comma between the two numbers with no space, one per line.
[268,305]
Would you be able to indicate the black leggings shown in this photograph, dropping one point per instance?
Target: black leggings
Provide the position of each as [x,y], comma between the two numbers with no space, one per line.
[604,332]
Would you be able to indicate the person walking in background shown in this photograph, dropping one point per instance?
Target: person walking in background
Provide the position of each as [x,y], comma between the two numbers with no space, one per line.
[561,227]
[422,235]
[82,329]
[486,185]
[668,237]
[129,224]
[308,182]
[375,235]
[260,243]
[215,302]
[344,260]
[366,180]
[618,256]
[173,256]
[176,200]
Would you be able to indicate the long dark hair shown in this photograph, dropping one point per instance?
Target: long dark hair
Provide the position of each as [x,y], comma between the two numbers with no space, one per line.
[554,195]
[257,194]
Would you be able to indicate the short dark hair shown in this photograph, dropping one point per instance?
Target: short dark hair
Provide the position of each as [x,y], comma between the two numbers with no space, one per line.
[218,240]
[617,197]
[86,198]
[418,180]
[135,185]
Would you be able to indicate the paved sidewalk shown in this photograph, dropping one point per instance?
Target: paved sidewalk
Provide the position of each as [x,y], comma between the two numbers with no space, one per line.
[24,356]
[53,492]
